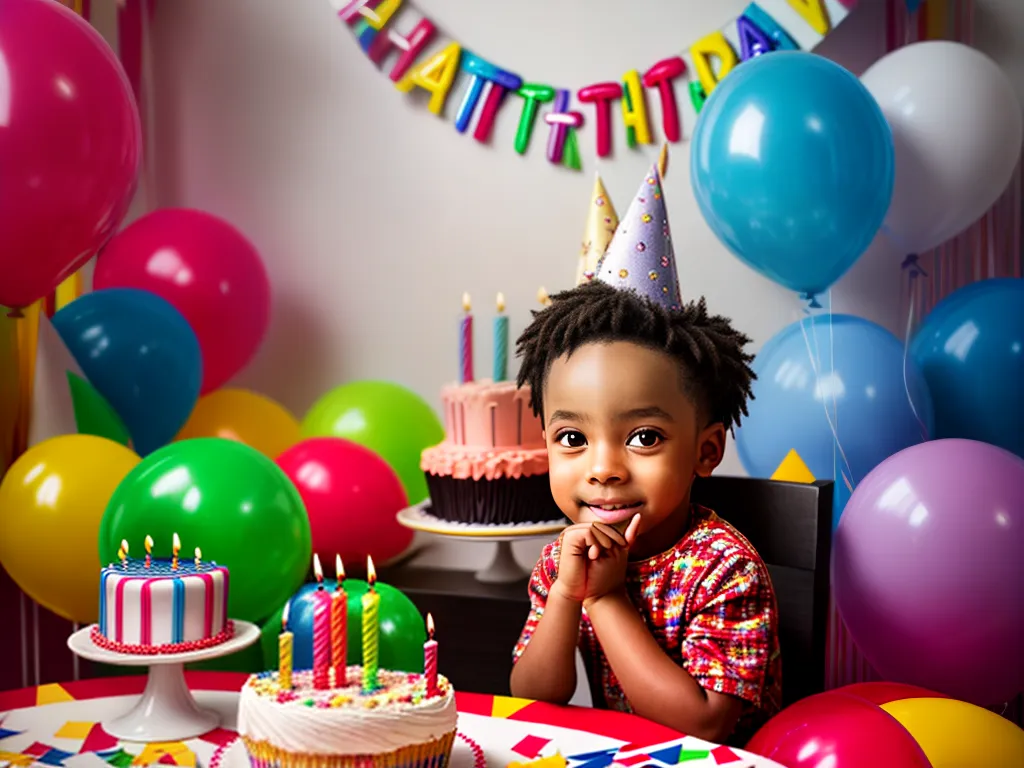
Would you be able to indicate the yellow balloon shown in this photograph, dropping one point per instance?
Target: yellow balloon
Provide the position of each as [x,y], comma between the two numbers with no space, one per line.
[51,502]
[955,734]
[238,414]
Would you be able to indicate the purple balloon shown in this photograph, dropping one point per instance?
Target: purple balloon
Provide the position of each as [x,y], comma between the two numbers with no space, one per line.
[928,570]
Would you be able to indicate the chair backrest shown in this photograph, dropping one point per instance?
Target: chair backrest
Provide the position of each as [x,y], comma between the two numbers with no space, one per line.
[790,525]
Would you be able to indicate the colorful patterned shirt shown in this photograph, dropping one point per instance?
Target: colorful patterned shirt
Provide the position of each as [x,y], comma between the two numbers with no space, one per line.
[708,602]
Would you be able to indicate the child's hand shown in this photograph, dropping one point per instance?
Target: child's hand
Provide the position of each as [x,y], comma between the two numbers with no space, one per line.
[593,559]
[607,572]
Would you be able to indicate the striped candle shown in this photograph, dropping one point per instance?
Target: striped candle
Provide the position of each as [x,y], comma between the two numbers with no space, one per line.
[466,342]
[339,627]
[371,630]
[321,630]
[430,659]
[501,341]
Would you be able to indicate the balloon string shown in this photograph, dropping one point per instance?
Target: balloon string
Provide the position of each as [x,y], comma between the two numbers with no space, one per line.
[913,269]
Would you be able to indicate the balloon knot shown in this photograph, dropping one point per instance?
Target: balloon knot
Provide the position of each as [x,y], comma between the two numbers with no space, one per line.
[811,299]
[15,313]
[913,265]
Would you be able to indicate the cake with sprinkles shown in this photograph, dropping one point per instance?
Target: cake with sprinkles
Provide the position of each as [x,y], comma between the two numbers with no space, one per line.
[150,606]
[406,720]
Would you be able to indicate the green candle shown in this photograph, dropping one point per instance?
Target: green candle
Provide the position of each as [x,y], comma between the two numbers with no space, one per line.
[371,630]
[501,341]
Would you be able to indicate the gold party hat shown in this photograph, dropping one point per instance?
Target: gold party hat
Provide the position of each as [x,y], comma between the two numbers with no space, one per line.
[601,224]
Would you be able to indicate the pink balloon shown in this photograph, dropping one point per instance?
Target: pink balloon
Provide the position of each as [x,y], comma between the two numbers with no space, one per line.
[70,147]
[834,730]
[351,496]
[208,271]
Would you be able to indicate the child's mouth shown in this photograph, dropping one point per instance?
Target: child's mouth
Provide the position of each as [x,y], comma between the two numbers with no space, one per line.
[614,513]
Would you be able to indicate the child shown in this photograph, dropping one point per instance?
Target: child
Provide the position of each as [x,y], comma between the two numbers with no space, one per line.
[672,609]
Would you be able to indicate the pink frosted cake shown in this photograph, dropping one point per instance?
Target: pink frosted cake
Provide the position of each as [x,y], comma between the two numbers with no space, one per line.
[492,467]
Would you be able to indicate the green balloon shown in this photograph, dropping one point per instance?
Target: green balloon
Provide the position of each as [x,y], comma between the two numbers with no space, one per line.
[387,418]
[226,498]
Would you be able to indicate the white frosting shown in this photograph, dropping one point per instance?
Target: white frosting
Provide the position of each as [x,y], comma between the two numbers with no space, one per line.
[350,729]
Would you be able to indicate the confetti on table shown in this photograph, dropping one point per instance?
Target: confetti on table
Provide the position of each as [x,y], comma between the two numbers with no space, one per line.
[669,755]
[6,733]
[35,749]
[530,746]
[632,760]
[74,729]
[219,736]
[601,759]
[693,754]
[98,740]
[16,759]
[724,755]
[54,756]
[118,758]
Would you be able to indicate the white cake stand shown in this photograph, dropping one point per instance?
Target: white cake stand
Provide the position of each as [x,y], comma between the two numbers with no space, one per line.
[166,711]
[503,568]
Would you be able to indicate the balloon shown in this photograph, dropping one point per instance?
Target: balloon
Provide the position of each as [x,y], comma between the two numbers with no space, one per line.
[839,731]
[229,500]
[792,167]
[70,148]
[387,418]
[93,414]
[861,380]
[969,349]
[927,572]
[402,630]
[352,497]
[51,503]
[140,355]
[238,414]
[208,271]
[954,156]
[878,692]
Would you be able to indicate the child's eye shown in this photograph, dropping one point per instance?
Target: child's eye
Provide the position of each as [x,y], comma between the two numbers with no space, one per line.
[571,439]
[644,438]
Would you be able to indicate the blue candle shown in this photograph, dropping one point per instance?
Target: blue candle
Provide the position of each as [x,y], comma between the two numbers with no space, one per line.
[501,341]
[466,342]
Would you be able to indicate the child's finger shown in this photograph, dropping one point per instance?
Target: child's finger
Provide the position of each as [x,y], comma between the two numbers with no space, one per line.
[601,536]
[610,533]
[631,529]
[594,552]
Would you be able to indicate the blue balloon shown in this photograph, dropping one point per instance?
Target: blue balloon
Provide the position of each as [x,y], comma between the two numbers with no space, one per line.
[141,355]
[971,352]
[792,164]
[860,380]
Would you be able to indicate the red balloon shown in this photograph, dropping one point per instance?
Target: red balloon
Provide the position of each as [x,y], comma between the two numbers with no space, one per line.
[882,693]
[351,496]
[208,271]
[835,730]
[70,147]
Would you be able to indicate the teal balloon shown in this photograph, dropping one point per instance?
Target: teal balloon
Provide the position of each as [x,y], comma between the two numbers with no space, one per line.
[226,498]
[385,417]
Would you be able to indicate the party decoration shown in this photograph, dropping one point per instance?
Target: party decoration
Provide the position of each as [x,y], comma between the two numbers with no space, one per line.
[208,271]
[601,224]
[52,500]
[640,256]
[500,370]
[969,351]
[140,355]
[51,407]
[285,649]
[466,341]
[931,539]
[371,629]
[954,157]
[248,417]
[70,148]
[711,59]
[833,371]
[339,626]
[793,470]
[799,193]
[233,499]
[321,630]
[387,418]
[93,414]
[402,630]
[351,497]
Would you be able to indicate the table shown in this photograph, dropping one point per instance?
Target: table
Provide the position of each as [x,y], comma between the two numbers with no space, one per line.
[57,725]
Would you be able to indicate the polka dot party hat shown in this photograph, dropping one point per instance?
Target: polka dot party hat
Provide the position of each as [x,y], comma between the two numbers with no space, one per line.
[640,256]
[601,223]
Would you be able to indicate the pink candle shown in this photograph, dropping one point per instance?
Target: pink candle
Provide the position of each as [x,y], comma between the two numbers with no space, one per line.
[466,342]
[339,627]
[430,659]
[321,630]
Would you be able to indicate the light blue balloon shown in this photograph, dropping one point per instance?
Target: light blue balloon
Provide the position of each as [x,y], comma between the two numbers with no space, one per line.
[970,349]
[141,355]
[860,381]
[792,165]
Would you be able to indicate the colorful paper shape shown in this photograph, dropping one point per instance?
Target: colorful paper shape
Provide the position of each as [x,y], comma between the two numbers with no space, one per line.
[219,736]
[632,759]
[119,758]
[601,759]
[52,693]
[530,746]
[723,755]
[166,753]
[54,757]
[5,733]
[506,706]
[74,729]
[669,755]
[35,749]
[554,761]
[792,469]
[15,759]
[687,755]
[99,740]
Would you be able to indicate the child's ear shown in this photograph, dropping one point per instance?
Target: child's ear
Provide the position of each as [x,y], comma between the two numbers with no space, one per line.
[710,449]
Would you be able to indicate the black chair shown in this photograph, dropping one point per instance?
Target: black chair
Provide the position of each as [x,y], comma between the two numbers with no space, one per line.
[790,525]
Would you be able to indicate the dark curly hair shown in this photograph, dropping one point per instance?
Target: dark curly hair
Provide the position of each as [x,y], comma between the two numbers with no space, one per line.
[715,370]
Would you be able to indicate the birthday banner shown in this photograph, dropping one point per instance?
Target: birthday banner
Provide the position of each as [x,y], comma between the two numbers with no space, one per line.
[765,25]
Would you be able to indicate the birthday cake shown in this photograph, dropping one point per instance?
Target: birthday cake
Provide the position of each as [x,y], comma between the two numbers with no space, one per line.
[400,724]
[492,467]
[162,606]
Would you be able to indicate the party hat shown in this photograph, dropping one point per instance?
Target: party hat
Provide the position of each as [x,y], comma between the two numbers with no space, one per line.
[640,256]
[601,223]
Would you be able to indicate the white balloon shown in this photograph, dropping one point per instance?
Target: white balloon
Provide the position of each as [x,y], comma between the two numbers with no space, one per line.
[957,128]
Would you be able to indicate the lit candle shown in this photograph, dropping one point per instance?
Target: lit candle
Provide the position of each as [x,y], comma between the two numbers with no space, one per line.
[466,341]
[149,550]
[501,341]
[199,557]
[430,658]
[542,297]
[371,629]
[321,630]
[284,651]
[339,627]
[122,553]
[175,549]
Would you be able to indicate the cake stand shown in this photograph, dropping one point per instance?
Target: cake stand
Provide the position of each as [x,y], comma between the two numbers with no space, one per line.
[166,711]
[503,568]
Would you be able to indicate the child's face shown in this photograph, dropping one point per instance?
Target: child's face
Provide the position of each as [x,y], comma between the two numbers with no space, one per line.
[624,438]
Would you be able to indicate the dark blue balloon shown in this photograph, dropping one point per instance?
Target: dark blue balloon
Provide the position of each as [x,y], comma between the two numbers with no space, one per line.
[859,379]
[971,352]
[141,355]
[792,165]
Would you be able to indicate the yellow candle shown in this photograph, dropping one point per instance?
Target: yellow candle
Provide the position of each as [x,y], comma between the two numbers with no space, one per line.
[175,549]
[122,553]
[284,651]
[371,629]
[199,557]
